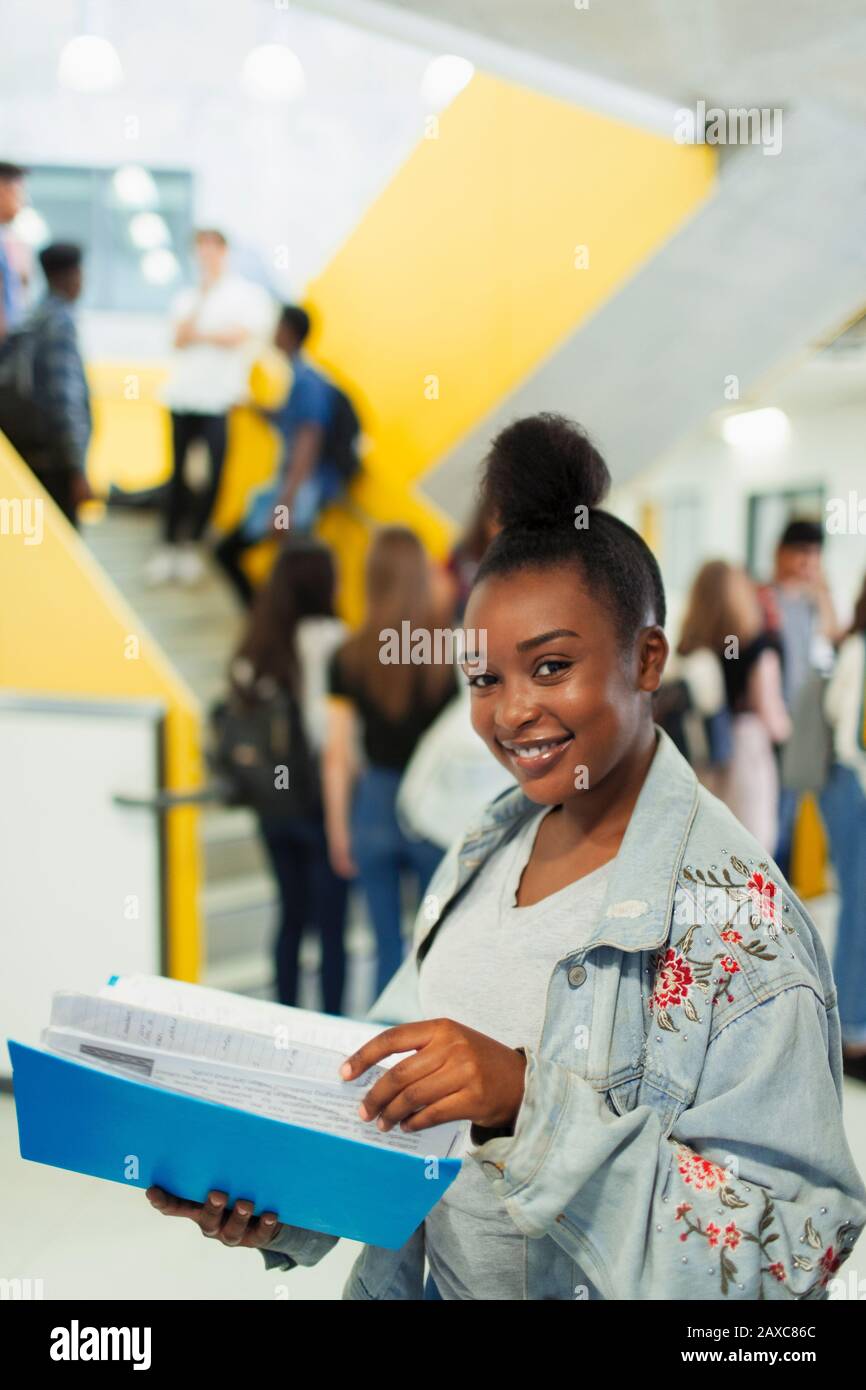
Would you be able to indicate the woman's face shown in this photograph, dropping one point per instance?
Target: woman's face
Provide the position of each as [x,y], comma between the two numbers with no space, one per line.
[558,703]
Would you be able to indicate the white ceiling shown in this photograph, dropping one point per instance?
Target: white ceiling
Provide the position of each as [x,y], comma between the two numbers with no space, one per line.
[732,52]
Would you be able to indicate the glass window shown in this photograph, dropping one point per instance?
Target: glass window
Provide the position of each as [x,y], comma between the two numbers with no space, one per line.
[134,224]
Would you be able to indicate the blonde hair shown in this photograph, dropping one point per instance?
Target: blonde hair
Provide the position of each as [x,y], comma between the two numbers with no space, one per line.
[723,602]
[398,590]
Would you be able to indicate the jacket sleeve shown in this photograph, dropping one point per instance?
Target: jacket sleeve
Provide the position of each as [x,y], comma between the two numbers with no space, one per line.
[753,1193]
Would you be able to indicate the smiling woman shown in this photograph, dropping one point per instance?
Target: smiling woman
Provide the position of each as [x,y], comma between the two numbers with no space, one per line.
[579,958]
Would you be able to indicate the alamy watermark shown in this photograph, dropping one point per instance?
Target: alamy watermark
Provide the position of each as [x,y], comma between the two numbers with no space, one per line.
[436,646]
[23,516]
[734,125]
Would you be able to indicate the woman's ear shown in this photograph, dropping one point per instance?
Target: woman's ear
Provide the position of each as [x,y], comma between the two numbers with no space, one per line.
[653,653]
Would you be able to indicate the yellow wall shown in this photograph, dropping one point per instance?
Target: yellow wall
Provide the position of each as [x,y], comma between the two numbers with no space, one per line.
[64,630]
[461,278]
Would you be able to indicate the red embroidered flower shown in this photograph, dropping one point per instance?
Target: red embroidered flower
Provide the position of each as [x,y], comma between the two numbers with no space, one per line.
[699,1172]
[829,1263]
[762,891]
[778,1271]
[732,936]
[682,1209]
[713,1233]
[673,977]
[729,965]
[732,1236]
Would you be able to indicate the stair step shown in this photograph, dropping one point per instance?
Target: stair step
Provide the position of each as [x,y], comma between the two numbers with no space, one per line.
[233,859]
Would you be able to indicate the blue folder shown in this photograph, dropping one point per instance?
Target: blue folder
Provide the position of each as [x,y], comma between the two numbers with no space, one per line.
[73,1116]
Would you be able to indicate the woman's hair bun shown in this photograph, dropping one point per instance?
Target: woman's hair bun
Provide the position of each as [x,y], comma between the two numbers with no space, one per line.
[539,470]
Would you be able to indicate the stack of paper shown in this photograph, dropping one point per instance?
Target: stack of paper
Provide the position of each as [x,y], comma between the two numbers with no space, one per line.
[192,1089]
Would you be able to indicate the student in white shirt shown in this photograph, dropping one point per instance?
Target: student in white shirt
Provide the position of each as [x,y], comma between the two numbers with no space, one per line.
[218,327]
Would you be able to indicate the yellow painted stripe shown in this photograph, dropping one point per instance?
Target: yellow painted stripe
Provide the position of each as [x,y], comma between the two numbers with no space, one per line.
[467,272]
[64,630]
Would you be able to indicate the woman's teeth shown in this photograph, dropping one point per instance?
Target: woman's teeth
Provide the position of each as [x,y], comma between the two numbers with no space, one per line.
[536,750]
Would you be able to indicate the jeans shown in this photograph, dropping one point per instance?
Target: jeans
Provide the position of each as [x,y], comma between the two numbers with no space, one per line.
[311,895]
[843,806]
[313,494]
[430,1290]
[789,802]
[185,509]
[228,555]
[382,853]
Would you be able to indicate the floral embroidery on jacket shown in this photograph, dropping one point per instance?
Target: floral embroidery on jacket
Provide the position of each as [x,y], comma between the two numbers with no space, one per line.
[702,1175]
[678,974]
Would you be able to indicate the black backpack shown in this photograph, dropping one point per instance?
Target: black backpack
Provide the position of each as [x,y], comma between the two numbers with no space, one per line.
[21,419]
[259,751]
[341,441]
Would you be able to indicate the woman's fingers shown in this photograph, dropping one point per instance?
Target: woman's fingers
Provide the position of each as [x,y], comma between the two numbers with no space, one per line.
[170,1205]
[234,1228]
[457,1106]
[211,1213]
[215,1219]
[410,1072]
[261,1230]
[418,1095]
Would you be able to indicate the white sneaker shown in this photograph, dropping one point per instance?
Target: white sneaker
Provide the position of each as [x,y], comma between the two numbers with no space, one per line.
[161,568]
[189,567]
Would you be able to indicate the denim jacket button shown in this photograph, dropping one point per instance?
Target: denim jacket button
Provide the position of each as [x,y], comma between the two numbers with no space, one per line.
[576,976]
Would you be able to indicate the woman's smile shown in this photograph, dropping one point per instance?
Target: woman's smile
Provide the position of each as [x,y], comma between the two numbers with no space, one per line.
[534,757]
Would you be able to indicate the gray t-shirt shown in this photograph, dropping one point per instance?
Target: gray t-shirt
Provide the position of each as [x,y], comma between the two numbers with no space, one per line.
[489,968]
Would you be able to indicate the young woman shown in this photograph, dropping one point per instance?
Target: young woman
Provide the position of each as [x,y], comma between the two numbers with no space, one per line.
[843,804]
[618,993]
[290,640]
[725,617]
[386,706]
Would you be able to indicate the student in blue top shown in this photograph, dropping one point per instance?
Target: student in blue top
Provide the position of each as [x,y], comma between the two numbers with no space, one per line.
[307,478]
[11,202]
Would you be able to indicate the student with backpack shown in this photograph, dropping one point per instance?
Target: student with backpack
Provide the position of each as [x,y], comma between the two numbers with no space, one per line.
[44,397]
[610,982]
[268,737]
[319,430]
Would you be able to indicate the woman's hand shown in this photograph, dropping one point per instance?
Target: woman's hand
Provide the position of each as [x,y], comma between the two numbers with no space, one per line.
[340,852]
[455,1074]
[230,1226]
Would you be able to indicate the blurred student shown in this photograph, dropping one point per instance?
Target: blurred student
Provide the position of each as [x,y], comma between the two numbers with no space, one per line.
[48,419]
[691,704]
[389,705]
[725,617]
[12,199]
[798,605]
[279,683]
[462,564]
[308,476]
[843,805]
[217,326]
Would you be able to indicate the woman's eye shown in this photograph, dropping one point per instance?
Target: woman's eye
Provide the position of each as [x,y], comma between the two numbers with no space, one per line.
[479,682]
[551,668]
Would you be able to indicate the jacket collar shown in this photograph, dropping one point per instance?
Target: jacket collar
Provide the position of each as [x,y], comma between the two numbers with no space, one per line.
[636,912]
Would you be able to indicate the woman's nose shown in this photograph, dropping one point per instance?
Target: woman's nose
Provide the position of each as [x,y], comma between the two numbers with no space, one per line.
[515,708]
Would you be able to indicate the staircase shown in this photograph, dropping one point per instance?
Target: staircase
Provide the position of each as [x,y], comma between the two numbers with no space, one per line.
[197,629]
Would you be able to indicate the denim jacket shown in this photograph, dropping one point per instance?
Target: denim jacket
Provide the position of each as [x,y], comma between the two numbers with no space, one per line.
[680,1134]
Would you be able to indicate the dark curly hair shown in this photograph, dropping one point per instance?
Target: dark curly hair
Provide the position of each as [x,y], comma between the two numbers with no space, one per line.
[540,473]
